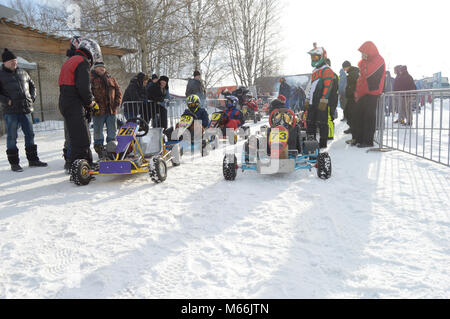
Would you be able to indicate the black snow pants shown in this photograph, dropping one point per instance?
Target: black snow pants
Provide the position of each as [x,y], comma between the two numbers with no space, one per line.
[318,119]
[364,121]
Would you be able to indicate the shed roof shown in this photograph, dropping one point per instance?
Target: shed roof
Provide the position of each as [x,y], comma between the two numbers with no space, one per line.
[21,37]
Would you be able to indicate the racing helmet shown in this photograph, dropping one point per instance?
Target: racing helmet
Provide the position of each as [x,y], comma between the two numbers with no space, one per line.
[92,49]
[75,42]
[318,56]
[193,103]
[231,102]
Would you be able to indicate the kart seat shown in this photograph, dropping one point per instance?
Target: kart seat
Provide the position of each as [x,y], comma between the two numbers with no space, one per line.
[152,143]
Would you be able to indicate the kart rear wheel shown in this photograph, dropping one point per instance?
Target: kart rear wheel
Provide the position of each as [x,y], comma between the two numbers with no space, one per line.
[159,172]
[79,173]
[230,167]
[324,166]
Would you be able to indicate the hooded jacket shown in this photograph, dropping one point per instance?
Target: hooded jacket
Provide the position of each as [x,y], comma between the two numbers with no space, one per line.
[404,81]
[372,72]
[106,92]
[18,87]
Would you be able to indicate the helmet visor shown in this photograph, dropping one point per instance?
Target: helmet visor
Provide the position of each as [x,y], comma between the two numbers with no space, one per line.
[315,58]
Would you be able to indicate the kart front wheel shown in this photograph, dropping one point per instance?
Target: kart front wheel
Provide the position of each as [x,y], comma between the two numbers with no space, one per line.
[324,166]
[230,167]
[79,173]
[158,173]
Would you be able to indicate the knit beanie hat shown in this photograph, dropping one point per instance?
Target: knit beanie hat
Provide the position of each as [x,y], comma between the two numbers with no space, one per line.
[196,73]
[346,64]
[8,55]
[164,78]
[154,77]
[99,64]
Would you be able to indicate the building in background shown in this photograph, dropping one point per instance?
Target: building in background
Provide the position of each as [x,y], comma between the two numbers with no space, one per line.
[42,56]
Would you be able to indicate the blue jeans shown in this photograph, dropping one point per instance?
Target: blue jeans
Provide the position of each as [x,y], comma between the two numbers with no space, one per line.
[12,126]
[111,128]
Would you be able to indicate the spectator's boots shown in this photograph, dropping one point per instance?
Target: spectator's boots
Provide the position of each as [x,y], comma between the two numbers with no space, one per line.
[13,158]
[349,131]
[350,142]
[33,158]
[100,150]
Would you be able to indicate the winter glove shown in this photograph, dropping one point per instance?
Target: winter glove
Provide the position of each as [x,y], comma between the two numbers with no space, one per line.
[96,109]
[323,105]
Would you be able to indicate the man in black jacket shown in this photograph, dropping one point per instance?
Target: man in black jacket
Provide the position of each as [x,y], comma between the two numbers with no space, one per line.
[195,87]
[158,95]
[17,94]
[285,90]
[352,79]
[76,98]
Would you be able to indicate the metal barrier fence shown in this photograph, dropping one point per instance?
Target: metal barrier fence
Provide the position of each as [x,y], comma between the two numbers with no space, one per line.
[415,122]
[52,120]
[162,114]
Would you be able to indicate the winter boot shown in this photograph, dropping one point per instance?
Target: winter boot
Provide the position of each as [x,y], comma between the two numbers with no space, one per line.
[100,150]
[67,162]
[33,158]
[13,158]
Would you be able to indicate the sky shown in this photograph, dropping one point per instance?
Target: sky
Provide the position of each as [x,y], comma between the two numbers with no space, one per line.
[412,33]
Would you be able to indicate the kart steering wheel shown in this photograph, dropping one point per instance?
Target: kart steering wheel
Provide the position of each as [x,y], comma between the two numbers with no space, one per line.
[283,112]
[143,126]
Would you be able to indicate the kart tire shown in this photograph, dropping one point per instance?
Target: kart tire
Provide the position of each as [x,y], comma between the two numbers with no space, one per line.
[230,167]
[79,172]
[177,153]
[159,172]
[324,167]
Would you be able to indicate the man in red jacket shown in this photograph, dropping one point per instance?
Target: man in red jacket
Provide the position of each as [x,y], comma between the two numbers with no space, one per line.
[368,89]
[76,96]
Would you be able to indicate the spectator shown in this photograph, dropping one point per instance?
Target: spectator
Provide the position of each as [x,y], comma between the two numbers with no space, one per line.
[195,86]
[405,82]
[158,95]
[342,87]
[76,97]
[388,87]
[108,96]
[368,89]
[134,95]
[285,90]
[350,89]
[298,99]
[17,95]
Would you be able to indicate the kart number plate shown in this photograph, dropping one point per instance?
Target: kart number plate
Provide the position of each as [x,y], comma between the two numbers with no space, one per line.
[216,116]
[278,137]
[127,131]
[186,120]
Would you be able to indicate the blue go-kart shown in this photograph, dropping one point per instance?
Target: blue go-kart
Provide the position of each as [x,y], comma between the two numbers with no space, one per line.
[281,148]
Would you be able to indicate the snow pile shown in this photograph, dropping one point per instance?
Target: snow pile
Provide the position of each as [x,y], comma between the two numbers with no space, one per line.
[379,228]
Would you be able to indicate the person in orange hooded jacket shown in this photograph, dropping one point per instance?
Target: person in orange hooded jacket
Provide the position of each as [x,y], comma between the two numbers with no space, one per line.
[368,89]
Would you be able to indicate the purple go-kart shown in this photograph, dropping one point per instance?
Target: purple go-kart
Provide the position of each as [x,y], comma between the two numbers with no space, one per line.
[138,149]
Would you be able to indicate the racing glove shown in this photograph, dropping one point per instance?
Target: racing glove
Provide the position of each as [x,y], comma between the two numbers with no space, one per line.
[323,105]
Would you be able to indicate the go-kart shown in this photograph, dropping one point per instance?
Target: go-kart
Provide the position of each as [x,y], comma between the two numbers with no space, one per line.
[218,125]
[138,149]
[251,112]
[185,137]
[281,148]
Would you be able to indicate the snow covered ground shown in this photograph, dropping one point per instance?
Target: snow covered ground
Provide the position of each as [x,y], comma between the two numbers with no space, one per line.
[380,228]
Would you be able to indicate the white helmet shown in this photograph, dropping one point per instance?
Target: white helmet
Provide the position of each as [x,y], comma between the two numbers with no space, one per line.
[92,48]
